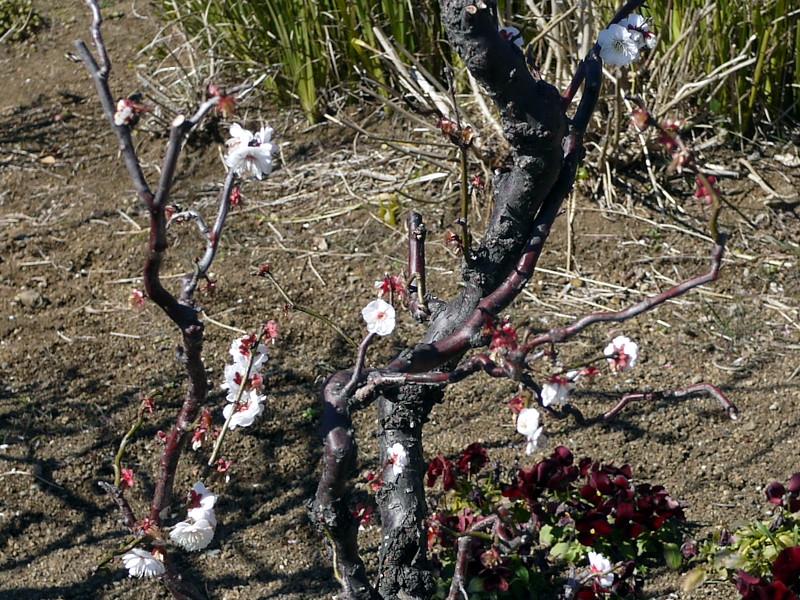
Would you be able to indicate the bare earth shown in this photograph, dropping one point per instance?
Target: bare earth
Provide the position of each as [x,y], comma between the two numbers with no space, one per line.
[74,359]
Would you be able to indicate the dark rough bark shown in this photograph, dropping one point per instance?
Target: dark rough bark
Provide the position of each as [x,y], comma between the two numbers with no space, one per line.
[403,562]
[534,125]
[546,149]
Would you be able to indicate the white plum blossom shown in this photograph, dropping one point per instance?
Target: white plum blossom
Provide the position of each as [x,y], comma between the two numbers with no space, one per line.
[240,352]
[601,567]
[124,112]
[379,316]
[639,28]
[398,457]
[141,563]
[528,425]
[240,385]
[248,153]
[511,34]
[201,504]
[622,354]
[246,411]
[617,45]
[234,378]
[192,536]
[555,391]
[239,136]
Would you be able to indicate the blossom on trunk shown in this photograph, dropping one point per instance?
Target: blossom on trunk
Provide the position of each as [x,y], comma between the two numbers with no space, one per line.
[528,425]
[622,354]
[601,567]
[398,457]
[249,153]
[379,316]
[617,45]
[141,563]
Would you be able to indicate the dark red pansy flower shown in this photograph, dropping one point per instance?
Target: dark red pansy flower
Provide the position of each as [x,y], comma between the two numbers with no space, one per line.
[440,466]
[775,492]
[473,459]
[786,567]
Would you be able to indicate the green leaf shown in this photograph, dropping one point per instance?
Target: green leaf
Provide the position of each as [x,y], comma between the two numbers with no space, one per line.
[569,551]
[546,536]
[522,574]
[672,556]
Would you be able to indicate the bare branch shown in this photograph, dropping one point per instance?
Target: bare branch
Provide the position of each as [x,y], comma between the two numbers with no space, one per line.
[698,388]
[191,279]
[559,334]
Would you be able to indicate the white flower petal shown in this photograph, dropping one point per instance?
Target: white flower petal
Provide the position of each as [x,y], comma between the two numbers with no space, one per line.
[247,412]
[511,33]
[200,514]
[379,316]
[264,135]
[537,440]
[241,357]
[528,425]
[239,136]
[192,536]
[554,392]
[141,563]
[527,421]
[600,565]
[617,46]
[622,354]
[247,158]
[399,458]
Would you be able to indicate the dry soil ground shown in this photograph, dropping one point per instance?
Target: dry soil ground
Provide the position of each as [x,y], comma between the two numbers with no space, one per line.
[74,359]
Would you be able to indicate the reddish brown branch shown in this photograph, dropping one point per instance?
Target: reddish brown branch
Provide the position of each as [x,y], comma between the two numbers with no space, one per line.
[698,388]
[180,310]
[457,585]
[559,334]
[329,508]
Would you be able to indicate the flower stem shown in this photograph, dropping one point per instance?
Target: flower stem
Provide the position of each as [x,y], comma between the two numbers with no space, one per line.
[310,312]
[124,444]
[236,403]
